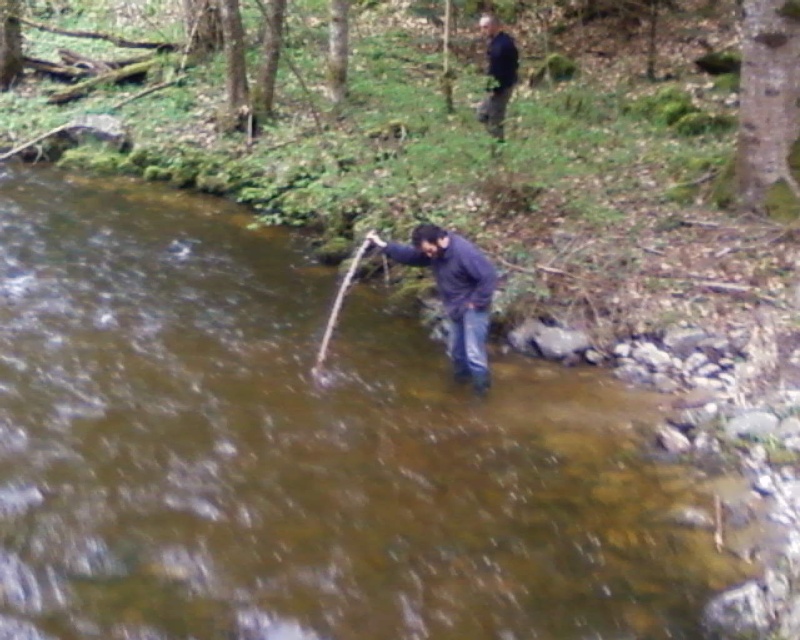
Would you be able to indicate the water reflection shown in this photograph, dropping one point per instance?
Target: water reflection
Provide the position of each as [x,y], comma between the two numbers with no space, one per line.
[171,471]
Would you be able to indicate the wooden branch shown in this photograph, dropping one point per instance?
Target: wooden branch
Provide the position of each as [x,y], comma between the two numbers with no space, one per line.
[55,70]
[145,92]
[337,305]
[534,272]
[30,143]
[81,89]
[718,539]
[120,42]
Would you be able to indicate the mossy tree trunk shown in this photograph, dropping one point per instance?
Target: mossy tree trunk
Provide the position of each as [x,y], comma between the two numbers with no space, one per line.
[236,78]
[273,43]
[767,162]
[338,50]
[10,43]
[203,26]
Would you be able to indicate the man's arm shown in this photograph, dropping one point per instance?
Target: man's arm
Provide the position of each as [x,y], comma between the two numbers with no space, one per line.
[401,253]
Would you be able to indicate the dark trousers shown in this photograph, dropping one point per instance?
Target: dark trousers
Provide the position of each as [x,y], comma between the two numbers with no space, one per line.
[492,111]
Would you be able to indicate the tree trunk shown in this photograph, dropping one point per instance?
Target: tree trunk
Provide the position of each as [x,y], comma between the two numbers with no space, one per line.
[236,77]
[768,154]
[203,26]
[338,53]
[652,44]
[11,60]
[273,43]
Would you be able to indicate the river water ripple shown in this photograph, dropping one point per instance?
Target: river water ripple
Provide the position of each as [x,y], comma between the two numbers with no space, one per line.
[169,471]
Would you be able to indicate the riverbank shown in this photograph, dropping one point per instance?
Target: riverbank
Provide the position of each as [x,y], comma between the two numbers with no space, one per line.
[600,214]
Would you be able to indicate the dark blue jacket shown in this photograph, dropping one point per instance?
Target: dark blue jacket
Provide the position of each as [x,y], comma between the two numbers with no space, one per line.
[463,273]
[503,61]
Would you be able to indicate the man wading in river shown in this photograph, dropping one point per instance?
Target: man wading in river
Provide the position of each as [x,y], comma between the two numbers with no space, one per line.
[465,280]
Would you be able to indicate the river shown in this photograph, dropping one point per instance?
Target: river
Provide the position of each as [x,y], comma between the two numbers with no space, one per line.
[170,471]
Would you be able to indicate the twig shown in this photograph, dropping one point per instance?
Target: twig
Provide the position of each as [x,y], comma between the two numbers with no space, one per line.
[337,305]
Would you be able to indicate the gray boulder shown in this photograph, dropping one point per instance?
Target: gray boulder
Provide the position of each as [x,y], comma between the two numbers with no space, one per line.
[742,613]
[753,425]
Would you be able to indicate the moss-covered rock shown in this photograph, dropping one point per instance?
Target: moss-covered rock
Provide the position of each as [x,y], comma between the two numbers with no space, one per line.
[699,123]
[720,62]
[155,173]
[334,251]
[781,203]
[408,295]
[559,67]
[91,158]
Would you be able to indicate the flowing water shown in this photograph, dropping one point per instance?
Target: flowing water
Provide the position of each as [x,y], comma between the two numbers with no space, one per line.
[169,470]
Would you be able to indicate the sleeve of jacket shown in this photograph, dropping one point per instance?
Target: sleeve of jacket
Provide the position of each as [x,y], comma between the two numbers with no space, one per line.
[405,254]
[483,272]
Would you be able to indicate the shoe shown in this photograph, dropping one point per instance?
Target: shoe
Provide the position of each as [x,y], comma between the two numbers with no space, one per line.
[481,385]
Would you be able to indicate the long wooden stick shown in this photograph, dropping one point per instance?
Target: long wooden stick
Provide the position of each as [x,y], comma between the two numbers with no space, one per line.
[337,305]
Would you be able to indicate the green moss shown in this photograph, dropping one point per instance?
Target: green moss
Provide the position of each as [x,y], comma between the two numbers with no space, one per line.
[334,251]
[790,10]
[91,158]
[216,183]
[673,112]
[699,123]
[682,194]
[667,106]
[794,160]
[559,67]
[407,296]
[781,202]
[154,173]
[727,82]
[724,193]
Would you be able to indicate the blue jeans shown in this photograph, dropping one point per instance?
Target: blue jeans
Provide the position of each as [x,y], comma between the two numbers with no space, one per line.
[467,346]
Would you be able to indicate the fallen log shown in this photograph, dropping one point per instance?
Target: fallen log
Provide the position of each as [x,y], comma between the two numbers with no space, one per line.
[55,70]
[76,59]
[83,88]
[30,143]
[108,37]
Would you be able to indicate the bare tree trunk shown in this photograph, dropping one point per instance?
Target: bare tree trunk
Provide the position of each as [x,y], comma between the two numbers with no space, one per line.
[652,45]
[338,52]
[203,26]
[768,154]
[10,43]
[273,43]
[447,79]
[236,80]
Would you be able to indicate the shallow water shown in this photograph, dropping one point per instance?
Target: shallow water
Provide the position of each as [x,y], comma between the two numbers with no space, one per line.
[170,469]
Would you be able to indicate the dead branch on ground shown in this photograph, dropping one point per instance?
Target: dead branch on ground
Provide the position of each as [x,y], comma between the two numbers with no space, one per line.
[117,75]
[108,37]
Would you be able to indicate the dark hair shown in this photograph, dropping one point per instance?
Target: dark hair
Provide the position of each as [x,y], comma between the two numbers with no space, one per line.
[426,233]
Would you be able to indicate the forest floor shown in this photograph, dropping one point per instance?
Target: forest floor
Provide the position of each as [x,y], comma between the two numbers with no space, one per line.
[598,219]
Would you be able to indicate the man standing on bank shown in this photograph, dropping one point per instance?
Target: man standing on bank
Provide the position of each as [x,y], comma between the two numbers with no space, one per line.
[503,63]
[465,281]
